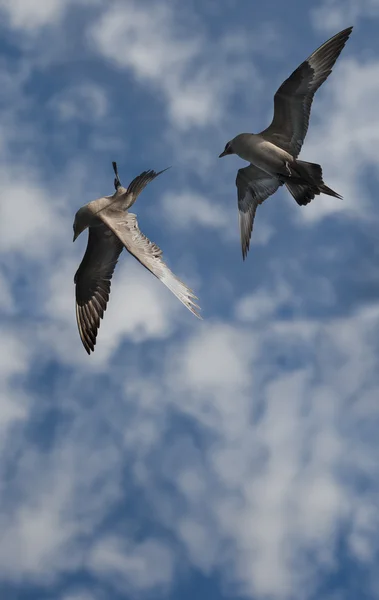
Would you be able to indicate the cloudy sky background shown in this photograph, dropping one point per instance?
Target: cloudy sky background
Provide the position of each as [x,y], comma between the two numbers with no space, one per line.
[231,458]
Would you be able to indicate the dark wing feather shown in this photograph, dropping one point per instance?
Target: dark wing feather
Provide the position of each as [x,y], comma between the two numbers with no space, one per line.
[253,187]
[93,282]
[293,100]
[140,182]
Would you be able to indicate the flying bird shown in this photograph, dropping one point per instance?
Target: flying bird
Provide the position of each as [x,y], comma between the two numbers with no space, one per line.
[111,227]
[273,153]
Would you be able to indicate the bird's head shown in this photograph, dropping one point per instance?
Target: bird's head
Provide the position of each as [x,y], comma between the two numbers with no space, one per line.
[227,150]
[80,222]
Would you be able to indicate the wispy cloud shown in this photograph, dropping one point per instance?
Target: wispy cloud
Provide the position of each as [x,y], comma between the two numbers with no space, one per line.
[185,210]
[243,447]
[334,14]
[81,595]
[30,17]
[164,48]
[23,14]
[137,567]
[85,101]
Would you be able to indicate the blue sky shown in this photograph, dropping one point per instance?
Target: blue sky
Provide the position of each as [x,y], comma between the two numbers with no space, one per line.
[231,458]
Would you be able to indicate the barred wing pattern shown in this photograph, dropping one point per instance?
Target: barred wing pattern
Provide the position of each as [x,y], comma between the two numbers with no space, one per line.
[93,282]
[125,227]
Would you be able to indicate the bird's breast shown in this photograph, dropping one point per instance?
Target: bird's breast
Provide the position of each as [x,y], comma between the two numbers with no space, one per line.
[265,155]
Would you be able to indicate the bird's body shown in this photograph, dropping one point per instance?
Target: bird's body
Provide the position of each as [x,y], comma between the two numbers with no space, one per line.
[89,213]
[273,153]
[111,229]
[258,151]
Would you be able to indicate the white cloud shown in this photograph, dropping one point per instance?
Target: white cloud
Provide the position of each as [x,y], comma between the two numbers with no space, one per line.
[147,44]
[216,358]
[191,211]
[266,488]
[26,14]
[86,101]
[14,361]
[194,535]
[260,306]
[80,595]
[14,354]
[30,16]
[362,539]
[153,43]
[35,225]
[58,502]
[184,210]
[332,15]
[277,448]
[142,566]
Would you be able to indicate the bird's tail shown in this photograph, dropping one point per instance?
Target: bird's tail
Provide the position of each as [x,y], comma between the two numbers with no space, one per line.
[305,182]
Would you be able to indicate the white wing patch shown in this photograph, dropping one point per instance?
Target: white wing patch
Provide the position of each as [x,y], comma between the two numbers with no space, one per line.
[125,226]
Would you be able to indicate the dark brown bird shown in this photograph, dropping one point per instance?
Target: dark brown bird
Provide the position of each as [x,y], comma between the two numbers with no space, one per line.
[273,153]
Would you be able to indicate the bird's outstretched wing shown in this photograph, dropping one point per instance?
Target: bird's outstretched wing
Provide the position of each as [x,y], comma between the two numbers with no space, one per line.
[125,227]
[253,187]
[293,100]
[93,282]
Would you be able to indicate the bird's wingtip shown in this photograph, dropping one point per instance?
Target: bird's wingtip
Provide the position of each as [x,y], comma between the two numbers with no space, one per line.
[163,170]
[346,32]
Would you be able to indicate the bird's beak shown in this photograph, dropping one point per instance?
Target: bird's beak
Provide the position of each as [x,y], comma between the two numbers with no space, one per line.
[223,154]
[75,236]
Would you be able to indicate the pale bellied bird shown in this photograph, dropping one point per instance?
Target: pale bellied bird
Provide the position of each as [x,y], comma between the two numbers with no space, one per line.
[111,227]
[273,153]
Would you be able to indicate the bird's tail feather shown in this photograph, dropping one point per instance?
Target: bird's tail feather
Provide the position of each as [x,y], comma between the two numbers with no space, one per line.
[324,189]
[305,182]
[302,192]
[308,172]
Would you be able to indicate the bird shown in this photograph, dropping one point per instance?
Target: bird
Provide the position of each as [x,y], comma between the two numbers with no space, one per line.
[111,227]
[273,152]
